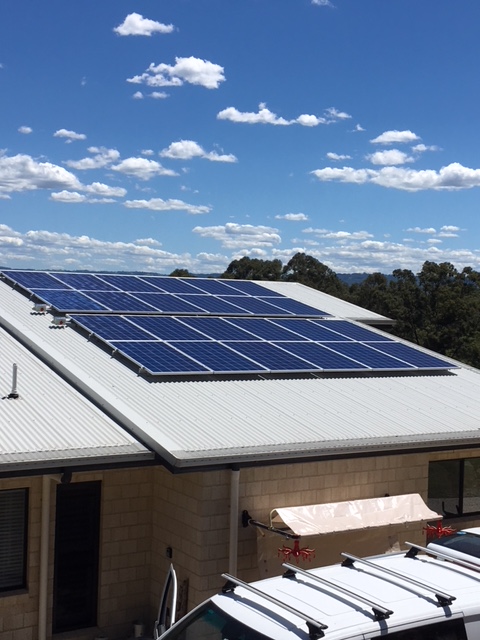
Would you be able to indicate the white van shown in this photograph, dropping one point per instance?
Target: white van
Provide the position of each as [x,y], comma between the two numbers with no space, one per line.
[405,596]
[462,545]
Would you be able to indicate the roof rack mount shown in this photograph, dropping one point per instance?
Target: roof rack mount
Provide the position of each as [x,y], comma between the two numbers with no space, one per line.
[443,599]
[379,612]
[315,628]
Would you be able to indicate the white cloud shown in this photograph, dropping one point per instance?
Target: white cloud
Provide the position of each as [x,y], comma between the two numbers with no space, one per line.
[192,70]
[236,236]
[188,149]
[434,241]
[450,178]
[421,148]
[23,173]
[136,25]
[69,136]
[336,114]
[359,128]
[427,230]
[103,157]
[323,3]
[147,152]
[157,204]
[265,116]
[389,157]
[394,136]
[293,217]
[138,95]
[339,235]
[25,130]
[450,227]
[337,156]
[158,95]
[68,197]
[105,190]
[142,168]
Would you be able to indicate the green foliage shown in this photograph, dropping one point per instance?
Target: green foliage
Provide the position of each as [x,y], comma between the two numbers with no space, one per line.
[253,269]
[313,273]
[181,273]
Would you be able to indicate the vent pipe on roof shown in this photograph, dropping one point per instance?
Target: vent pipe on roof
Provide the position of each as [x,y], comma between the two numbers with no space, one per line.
[14,393]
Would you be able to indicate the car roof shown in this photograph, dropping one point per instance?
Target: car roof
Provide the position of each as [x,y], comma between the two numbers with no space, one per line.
[359,596]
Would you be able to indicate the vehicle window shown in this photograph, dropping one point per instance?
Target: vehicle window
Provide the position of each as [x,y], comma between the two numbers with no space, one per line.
[448,630]
[211,623]
[464,542]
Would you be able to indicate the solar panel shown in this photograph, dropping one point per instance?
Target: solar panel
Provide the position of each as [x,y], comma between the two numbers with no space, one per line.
[351,330]
[368,356]
[413,356]
[159,358]
[323,357]
[217,328]
[256,306]
[84,282]
[272,357]
[219,357]
[112,327]
[129,283]
[34,279]
[167,328]
[207,285]
[169,303]
[120,302]
[295,307]
[213,304]
[317,331]
[170,285]
[263,328]
[250,288]
[69,301]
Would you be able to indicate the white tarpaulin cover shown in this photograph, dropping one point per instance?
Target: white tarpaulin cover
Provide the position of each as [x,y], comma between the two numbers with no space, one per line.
[352,515]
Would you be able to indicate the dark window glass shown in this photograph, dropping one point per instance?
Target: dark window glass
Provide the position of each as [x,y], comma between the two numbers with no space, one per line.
[448,630]
[13,539]
[454,487]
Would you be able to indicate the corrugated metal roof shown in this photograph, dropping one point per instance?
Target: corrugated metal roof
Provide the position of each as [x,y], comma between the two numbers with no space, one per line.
[50,424]
[193,423]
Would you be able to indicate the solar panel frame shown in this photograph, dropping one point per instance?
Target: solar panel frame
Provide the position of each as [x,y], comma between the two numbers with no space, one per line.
[34,279]
[69,300]
[110,328]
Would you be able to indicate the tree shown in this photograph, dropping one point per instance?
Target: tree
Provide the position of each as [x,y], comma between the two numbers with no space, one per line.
[253,269]
[181,273]
[311,272]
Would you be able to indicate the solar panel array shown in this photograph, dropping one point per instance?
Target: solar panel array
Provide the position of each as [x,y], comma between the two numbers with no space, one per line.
[181,326]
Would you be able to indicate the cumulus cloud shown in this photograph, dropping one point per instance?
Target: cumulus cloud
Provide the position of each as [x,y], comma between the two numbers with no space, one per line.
[394,137]
[341,236]
[25,130]
[102,157]
[188,149]
[192,70]
[157,204]
[237,236]
[293,217]
[142,168]
[337,156]
[136,25]
[421,148]
[322,3]
[336,114]
[453,177]
[158,95]
[105,190]
[358,128]
[138,95]
[23,173]
[265,116]
[69,136]
[428,230]
[389,157]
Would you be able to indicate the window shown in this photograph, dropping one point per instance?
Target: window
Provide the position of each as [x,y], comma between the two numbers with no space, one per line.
[13,539]
[454,487]
[448,630]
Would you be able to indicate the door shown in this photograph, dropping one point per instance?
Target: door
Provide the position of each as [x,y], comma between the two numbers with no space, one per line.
[77,534]
[168,604]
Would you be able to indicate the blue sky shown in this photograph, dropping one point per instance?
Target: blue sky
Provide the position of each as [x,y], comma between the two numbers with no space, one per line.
[150,135]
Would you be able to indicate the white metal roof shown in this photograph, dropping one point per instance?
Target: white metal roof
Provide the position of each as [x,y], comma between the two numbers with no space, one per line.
[216,422]
[51,424]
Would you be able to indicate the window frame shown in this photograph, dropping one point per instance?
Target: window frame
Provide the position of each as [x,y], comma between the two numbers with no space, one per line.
[460,488]
[12,534]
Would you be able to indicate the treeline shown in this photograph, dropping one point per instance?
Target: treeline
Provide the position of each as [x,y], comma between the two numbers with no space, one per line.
[437,308]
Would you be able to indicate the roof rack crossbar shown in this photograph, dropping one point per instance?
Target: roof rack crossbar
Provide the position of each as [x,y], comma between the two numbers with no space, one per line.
[415,548]
[444,599]
[379,612]
[315,628]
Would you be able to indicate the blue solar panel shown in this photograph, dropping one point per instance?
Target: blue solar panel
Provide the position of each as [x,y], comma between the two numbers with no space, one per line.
[69,301]
[170,285]
[166,328]
[84,282]
[212,304]
[120,302]
[351,330]
[413,356]
[316,331]
[217,328]
[34,279]
[218,357]
[206,285]
[265,329]
[129,283]
[256,306]
[169,303]
[159,358]
[368,356]
[272,357]
[296,308]
[322,357]
[250,288]
[111,327]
